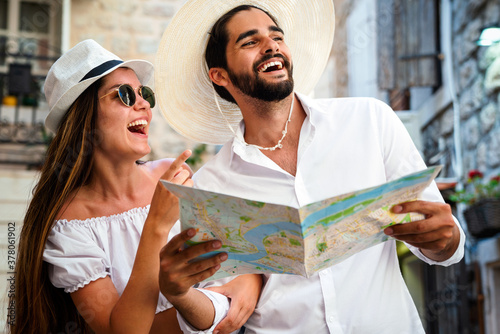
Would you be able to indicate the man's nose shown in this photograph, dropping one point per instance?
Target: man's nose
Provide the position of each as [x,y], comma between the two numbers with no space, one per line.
[271,46]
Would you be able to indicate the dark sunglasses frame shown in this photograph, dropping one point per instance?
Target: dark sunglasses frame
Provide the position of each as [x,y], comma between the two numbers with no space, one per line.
[127,94]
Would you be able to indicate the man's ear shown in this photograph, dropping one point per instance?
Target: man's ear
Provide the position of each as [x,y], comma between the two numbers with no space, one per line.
[218,76]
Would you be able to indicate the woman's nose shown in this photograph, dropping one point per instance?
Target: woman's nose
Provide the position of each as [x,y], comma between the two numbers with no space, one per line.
[140,102]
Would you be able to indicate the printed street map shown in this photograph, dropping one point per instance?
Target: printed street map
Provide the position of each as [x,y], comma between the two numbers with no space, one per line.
[277,239]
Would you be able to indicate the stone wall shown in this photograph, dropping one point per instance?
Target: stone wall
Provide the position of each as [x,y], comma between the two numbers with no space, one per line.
[477,81]
[340,83]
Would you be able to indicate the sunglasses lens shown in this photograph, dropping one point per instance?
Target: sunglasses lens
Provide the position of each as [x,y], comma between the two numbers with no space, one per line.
[127,95]
[148,95]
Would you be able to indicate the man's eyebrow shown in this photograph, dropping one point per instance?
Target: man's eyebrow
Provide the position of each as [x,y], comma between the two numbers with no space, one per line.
[255,31]
[246,34]
[276,28]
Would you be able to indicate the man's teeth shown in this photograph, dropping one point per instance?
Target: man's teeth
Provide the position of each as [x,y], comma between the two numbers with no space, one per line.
[137,123]
[273,63]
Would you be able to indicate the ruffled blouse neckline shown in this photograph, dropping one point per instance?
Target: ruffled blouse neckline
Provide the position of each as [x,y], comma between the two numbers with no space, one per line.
[118,216]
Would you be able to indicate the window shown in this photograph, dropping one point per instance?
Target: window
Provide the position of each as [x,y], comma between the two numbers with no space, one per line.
[3,14]
[30,32]
[408,44]
[35,17]
[30,39]
[3,28]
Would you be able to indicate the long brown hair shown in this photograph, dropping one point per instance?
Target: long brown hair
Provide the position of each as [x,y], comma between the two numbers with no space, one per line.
[39,306]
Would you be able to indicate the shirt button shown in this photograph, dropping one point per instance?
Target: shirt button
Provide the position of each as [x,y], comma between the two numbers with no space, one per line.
[331,319]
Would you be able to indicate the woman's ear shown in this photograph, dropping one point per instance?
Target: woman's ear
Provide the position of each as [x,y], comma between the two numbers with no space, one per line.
[218,76]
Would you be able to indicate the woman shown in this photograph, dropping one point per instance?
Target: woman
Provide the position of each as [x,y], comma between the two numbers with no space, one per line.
[89,248]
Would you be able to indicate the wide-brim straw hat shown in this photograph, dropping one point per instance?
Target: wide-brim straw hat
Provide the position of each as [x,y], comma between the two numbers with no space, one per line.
[79,68]
[185,93]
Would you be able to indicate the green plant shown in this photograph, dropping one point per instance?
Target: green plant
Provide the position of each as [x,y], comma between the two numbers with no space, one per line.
[477,189]
[196,156]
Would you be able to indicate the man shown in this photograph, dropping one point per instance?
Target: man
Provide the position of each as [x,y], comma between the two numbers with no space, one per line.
[290,149]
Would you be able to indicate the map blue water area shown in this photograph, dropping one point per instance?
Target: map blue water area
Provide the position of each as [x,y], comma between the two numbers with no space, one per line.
[256,237]
[358,200]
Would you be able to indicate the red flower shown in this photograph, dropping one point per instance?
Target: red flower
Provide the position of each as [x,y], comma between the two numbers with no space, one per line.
[476,190]
[475,174]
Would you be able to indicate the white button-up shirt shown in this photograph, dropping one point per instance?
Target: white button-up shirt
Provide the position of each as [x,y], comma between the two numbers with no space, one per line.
[345,145]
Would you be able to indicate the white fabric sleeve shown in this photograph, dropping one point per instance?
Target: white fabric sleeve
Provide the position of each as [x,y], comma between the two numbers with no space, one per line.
[221,307]
[401,157]
[74,259]
[455,258]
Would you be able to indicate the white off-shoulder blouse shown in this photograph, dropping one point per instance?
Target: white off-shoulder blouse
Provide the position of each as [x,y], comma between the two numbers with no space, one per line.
[82,251]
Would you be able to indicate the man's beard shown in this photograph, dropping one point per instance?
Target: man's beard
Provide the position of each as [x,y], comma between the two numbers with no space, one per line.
[256,87]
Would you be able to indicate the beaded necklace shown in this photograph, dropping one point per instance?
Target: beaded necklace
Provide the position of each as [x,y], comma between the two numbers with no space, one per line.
[284,132]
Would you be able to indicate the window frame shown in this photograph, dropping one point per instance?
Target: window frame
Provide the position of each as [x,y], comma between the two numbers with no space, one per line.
[46,45]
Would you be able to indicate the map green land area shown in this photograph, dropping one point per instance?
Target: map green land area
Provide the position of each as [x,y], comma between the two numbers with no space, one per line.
[277,239]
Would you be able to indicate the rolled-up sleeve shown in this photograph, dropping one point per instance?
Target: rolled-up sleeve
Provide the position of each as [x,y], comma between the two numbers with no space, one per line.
[221,307]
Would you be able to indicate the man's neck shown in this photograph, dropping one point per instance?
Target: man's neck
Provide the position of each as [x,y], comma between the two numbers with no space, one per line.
[264,126]
[265,121]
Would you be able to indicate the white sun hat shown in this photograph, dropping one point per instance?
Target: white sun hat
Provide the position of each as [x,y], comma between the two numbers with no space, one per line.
[76,70]
[185,93]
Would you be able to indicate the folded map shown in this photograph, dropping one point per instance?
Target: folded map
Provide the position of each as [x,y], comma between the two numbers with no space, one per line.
[270,238]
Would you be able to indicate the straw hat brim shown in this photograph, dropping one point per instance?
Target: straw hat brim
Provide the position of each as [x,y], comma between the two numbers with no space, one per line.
[142,68]
[184,90]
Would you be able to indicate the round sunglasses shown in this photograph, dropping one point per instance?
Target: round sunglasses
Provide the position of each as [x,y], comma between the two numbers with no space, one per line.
[127,94]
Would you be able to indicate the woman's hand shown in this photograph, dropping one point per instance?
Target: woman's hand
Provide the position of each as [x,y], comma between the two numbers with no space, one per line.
[180,270]
[244,292]
[164,205]
[179,267]
[178,171]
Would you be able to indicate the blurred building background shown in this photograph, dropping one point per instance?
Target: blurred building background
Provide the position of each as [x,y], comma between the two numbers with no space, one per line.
[419,56]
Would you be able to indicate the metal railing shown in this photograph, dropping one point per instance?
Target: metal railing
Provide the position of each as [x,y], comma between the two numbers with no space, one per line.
[23,138]
[24,61]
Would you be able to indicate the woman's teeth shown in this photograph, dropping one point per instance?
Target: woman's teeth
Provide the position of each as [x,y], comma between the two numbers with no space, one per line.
[137,126]
[137,123]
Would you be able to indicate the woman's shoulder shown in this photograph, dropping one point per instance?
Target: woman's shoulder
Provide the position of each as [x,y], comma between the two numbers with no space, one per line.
[75,208]
[136,214]
[85,206]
